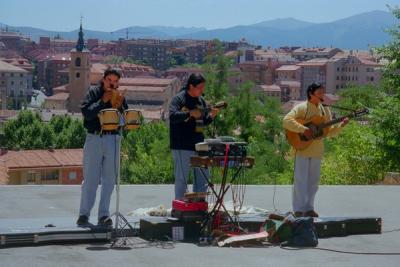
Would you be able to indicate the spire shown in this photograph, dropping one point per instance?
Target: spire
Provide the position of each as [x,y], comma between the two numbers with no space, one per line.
[80,45]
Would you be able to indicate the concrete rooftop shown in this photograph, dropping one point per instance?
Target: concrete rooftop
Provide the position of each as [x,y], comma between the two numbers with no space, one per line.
[54,203]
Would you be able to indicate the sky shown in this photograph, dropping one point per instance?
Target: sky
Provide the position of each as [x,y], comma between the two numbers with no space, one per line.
[112,15]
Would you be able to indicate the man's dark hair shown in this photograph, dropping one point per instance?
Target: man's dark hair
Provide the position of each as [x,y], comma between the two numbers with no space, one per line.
[312,88]
[112,71]
[194,79]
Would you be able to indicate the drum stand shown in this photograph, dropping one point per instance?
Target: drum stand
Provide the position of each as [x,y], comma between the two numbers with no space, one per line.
[120,237]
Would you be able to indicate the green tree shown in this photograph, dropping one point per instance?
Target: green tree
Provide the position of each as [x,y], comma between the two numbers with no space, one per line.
[146,155]
[70,133]
[357,97]
[385,120]
[353,157]
[391,53]
[217,70]
[28,131]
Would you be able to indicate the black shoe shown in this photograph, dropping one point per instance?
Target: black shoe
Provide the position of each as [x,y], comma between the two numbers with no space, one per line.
[82,220]
[298,214]
[311,213]
[105,221]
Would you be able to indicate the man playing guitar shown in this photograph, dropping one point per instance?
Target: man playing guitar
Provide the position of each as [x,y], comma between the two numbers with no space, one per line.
[308,160]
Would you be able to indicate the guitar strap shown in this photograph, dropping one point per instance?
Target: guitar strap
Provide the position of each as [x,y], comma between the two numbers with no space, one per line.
[321,107]
[305,116]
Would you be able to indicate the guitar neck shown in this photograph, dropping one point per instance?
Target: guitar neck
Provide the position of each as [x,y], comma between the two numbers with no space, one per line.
[332,122]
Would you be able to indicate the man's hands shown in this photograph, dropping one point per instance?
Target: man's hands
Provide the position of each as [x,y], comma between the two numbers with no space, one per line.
[344,122]
[308,134]
[107,96]
[214,112]
[195,113]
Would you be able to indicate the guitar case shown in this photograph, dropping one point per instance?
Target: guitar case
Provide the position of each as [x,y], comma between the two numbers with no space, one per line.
[343,226]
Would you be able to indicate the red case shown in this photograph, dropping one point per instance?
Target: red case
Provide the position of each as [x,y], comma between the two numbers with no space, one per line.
[189,206]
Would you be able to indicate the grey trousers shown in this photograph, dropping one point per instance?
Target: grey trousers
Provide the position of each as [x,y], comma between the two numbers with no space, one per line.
[306,178]
[100,165]
[182,171]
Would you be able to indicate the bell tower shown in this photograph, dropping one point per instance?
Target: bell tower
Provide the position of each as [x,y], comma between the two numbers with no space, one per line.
[79,74]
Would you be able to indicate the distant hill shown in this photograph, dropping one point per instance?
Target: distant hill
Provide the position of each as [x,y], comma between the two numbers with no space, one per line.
[283,24]
[357,31]
[130,32]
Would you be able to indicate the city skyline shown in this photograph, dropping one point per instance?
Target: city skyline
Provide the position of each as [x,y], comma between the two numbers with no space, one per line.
[117,14]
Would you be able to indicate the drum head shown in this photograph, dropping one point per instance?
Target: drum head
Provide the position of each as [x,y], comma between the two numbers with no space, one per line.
[109,119]
[132,119]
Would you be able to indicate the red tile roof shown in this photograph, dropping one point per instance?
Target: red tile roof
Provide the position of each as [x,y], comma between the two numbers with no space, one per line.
[290,83]
[134,88]
[150,81]
[59,96]
[288,68]
[25,159]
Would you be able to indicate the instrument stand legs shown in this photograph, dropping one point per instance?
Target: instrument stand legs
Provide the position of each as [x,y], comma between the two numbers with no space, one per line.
[219,204]
[120,237]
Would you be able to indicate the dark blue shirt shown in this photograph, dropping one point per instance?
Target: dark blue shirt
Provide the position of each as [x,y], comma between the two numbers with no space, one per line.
[183,134]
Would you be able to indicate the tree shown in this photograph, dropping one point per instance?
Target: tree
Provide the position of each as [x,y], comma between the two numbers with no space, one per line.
[217,70]
[146,155]
[28,131]
[353,157]
[385,120]
[391,53]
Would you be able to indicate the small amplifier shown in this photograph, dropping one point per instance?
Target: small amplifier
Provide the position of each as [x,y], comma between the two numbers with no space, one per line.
[189,211]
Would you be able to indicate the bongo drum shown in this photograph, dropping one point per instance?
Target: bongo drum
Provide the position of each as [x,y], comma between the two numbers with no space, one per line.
[109,119]
[132,119]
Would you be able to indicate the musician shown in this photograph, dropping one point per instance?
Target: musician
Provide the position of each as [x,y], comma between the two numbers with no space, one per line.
[188,117]
[308,161]
[101,147]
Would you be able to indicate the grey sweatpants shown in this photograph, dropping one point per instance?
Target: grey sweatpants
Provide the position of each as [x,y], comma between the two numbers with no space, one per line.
[100,164]
[306,179]
[182,170]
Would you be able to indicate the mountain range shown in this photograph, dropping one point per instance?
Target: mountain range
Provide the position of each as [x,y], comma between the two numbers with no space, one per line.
[355,32]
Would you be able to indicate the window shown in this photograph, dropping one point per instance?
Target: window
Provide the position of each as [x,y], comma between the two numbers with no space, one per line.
[50,175]
[31,177]
[78,75]
[21,75]
[72,175]
[78,62]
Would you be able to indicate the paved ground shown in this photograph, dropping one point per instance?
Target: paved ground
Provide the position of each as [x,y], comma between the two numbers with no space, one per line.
[61,203]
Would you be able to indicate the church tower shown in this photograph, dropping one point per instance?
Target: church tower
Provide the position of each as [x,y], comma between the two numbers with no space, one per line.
[79,74]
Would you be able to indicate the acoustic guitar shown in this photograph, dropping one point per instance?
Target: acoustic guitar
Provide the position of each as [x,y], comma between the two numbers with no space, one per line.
[319,127]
